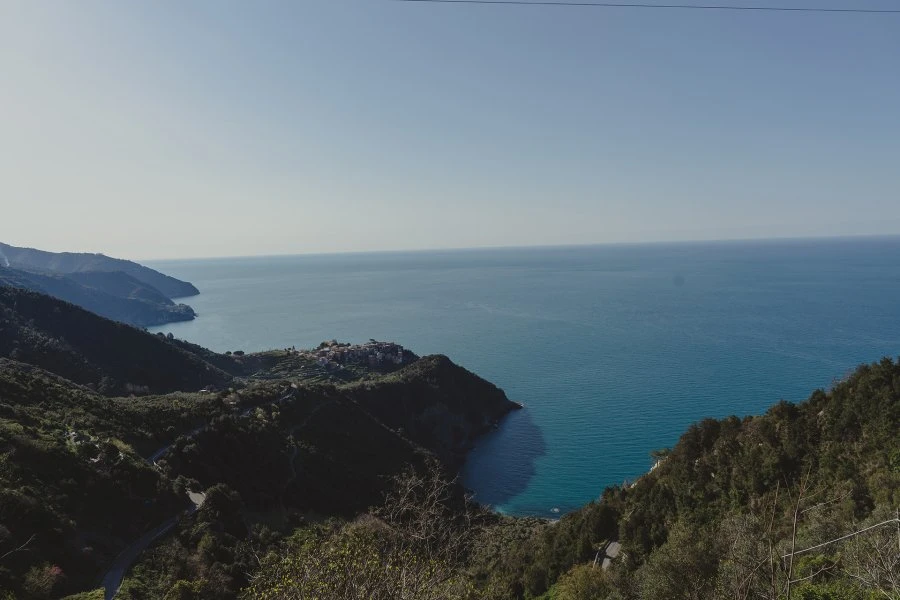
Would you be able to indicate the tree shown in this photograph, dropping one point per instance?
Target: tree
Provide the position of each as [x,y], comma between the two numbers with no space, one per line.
[583,582]
[743,572]
[223,506]
[684,568]
[5,535]
[420,511]
[410,548]
[873,557]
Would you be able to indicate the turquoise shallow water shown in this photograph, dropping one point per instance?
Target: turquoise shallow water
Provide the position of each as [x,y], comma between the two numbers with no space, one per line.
[614,350]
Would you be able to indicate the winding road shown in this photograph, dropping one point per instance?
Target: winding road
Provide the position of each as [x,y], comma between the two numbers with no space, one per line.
[112,579]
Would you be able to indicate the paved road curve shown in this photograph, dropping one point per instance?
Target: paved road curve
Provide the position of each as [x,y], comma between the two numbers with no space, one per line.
[112,581]
[113,578]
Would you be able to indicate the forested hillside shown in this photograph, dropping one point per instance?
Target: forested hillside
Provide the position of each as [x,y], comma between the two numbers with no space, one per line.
[72,488]
[111,357]
[87,475]
[310,481]
[739,508]
[717,515]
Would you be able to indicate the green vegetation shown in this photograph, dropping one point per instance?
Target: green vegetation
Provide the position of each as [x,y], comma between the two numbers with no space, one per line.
[715,518]
[110,357]
[413,547]
[338,483]
[321,451]
[71,490]
[92,595]
[275,445]
[444,419]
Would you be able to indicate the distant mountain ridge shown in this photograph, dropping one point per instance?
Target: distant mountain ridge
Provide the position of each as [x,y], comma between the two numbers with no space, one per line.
[76,262]
[121,284]
[114,295]
[117,289]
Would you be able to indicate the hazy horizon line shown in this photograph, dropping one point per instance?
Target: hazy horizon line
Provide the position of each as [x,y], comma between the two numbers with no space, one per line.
[794,238]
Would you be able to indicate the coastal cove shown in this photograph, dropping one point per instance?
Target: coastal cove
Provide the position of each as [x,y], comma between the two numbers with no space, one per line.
[613,350]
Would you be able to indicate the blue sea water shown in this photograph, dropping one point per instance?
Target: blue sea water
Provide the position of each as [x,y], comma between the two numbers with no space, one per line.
[613,350]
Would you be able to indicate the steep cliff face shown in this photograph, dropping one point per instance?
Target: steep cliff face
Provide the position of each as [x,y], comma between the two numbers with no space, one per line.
[435,403]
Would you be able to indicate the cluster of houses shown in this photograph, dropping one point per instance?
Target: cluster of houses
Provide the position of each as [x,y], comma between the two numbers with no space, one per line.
[333,354]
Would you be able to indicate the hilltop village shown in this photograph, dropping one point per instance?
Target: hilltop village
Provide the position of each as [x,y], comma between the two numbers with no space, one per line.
[335,355]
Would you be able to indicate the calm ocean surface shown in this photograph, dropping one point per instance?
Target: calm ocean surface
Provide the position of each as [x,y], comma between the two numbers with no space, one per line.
[614,350]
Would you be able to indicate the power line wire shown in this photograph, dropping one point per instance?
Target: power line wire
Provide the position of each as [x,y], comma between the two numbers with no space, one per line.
[570,3]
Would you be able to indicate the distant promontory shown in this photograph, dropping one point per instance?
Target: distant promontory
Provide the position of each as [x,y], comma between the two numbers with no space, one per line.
[118,289]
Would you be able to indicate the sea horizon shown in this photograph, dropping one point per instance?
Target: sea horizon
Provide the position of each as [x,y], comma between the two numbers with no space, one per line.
[152,261]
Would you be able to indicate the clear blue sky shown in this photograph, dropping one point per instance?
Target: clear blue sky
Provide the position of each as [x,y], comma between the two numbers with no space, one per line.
[183,129]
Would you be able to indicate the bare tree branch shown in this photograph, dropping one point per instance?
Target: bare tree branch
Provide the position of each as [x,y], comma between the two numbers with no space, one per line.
[843,537]
[20,548]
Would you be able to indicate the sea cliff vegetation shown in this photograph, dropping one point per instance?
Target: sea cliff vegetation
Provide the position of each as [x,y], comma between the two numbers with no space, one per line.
[339,482]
